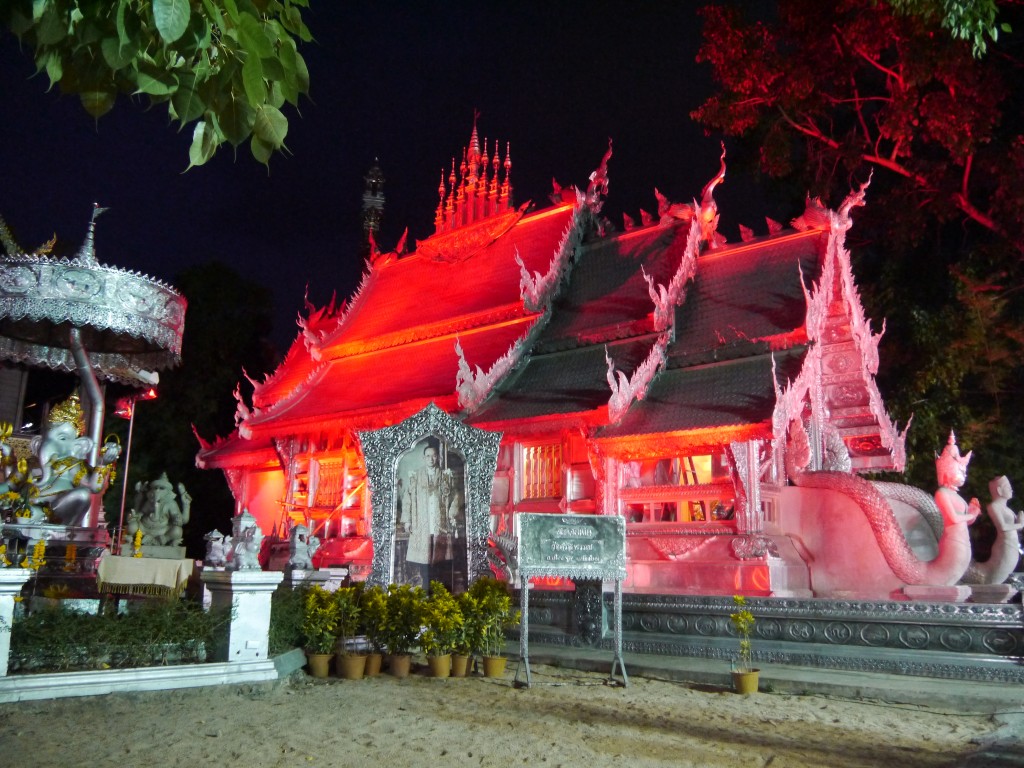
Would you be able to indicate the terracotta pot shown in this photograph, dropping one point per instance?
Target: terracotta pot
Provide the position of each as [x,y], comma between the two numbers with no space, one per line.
[399,666]
[351,666]
[745,682]
[319,663]
[440,666]
[494,666]
[460,664]
[373,664]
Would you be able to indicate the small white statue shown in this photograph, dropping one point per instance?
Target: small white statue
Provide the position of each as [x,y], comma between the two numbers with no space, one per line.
[1006,548]
[246,541]
[301,548]
[217,549]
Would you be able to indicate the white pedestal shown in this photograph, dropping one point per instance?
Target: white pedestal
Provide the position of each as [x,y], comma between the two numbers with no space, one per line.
[954,594]
[992,593]
[248,594]
[11,582]
[296,578]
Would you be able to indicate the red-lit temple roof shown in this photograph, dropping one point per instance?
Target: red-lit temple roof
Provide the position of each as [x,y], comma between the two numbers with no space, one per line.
[385,386]
[540,303]
[418,296]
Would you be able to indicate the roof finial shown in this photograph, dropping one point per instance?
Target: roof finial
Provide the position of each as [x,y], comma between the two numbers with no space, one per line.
[474,139]
[87,252]
[706,197]
[506,187]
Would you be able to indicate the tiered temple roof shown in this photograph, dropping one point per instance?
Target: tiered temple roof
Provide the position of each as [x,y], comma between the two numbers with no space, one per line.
[541,321]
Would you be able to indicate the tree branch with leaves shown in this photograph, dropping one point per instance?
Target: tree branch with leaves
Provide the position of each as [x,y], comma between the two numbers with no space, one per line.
[873,88]
[226,66]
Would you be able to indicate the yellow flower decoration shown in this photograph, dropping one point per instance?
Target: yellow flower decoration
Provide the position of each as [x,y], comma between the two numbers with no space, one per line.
[137,544]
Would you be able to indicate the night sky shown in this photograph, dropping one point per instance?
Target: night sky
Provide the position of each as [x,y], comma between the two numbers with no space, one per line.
[389,81]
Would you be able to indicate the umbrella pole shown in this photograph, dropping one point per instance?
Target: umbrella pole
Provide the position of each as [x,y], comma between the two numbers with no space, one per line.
[92,391]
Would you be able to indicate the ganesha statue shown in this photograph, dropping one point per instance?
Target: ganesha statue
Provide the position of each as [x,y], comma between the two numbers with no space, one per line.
[158,514]
[58,485]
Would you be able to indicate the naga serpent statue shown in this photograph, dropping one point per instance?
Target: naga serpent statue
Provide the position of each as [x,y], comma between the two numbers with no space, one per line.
[948,515]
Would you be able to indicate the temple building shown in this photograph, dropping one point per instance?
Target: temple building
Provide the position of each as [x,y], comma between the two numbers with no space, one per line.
[651,373]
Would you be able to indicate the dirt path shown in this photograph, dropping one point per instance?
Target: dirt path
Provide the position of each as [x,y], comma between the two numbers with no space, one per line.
[568,719]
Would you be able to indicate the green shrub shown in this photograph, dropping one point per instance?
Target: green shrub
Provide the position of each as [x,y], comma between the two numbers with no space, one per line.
[286,620]
[154,632]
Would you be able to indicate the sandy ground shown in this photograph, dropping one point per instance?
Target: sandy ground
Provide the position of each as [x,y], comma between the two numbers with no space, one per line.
[568,718]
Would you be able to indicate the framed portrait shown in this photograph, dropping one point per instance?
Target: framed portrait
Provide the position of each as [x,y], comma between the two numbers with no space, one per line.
[430,490]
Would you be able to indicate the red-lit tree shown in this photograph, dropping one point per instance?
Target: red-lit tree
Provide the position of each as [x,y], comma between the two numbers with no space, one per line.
[822,94]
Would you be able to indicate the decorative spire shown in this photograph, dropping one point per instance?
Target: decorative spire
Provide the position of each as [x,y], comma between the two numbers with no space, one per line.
[475,188]
[87,252]
[439,214]
[506,187]
[373,206]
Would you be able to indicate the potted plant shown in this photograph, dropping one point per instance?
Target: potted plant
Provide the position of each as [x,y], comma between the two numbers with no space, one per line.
[471,636]
[404,619]
[442,621]
[374,607]
[496,616]
[744,676]
[351,664]
[319,628]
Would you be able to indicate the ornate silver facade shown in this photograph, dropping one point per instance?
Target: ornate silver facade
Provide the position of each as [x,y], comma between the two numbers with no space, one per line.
[382,450]
[965,641]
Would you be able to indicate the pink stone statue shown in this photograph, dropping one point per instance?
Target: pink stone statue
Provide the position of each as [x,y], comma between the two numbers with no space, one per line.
[1006,547]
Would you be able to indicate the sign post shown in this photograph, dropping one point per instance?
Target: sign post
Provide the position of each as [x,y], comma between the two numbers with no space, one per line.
[573,547]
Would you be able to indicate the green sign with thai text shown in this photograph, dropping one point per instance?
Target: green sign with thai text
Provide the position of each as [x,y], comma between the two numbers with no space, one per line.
[572,546]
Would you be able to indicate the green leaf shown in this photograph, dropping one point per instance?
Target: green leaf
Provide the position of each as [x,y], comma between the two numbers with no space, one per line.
[51,29]
[236,120]
[252,37]
[54,68]
[158,84]
[119,21]
[272,69]
[214,12]
[187,105]
[301,73]
[252,80]
[116,55]
[97,103]
[232,9]
[275,95]
[204,144]
[171,17]
[271,126]
[19,23]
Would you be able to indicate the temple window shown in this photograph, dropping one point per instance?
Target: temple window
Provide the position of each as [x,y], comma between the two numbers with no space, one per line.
[677,489]
[541,471]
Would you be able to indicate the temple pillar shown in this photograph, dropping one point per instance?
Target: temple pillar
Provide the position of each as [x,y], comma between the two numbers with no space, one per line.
[247,593]
[11,582]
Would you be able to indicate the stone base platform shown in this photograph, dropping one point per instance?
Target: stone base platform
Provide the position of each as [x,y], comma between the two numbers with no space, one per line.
[959,641]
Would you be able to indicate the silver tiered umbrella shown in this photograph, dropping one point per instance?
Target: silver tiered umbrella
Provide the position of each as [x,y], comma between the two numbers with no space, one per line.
[80,316]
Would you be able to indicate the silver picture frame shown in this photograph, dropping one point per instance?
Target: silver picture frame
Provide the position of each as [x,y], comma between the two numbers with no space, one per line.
[384,450]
